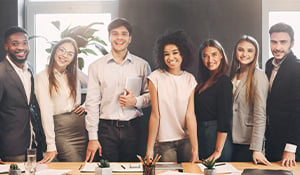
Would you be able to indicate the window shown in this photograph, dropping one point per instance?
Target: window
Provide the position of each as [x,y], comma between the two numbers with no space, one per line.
[40,14]
[274,11]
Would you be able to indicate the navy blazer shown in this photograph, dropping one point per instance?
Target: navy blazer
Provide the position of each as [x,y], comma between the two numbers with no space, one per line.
[283,104]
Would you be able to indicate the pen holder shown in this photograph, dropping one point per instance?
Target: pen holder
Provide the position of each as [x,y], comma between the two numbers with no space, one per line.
[148,170]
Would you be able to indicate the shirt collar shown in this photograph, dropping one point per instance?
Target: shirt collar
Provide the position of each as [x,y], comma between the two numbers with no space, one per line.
[275,64]
[128,57]
[25,67]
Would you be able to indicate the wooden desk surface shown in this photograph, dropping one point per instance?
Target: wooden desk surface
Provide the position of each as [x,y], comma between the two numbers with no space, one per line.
[188,167]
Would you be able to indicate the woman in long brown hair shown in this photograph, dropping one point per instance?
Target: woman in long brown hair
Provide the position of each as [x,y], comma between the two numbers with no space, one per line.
[250,90]
[58,93]
[213,99]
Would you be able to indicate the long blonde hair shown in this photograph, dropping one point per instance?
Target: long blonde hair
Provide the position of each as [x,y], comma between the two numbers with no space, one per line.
[252,66]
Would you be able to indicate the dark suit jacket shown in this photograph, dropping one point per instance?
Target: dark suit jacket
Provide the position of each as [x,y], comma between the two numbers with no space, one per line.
[283,104]
[14,112]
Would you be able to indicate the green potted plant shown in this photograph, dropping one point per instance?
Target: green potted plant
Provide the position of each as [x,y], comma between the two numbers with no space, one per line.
[209,164]
[103,168]
[14,170]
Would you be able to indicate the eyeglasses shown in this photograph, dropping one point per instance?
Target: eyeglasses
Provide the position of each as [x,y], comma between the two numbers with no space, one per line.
[62,51]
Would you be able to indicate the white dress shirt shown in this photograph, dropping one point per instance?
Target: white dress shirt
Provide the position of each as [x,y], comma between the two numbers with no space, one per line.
[106,83]
[60,102]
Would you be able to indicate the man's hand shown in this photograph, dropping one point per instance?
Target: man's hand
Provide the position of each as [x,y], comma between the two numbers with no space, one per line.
[127,100]
[92,148]
[288,159]
[259,157]
[49,156]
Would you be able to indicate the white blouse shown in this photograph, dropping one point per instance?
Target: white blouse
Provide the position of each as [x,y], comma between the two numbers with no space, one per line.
[60,102]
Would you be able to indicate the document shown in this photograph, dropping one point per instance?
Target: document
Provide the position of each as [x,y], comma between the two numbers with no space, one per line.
[134,85]
[52,172]
[116,167]
[178,173]
[224,168]
[5,167]
[168,166]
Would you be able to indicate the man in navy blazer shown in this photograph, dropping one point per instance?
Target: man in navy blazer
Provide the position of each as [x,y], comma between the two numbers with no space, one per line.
[19,123]
[283,104]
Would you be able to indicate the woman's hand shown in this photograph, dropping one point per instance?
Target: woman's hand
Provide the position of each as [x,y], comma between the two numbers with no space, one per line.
[258,157]
[49,156]
[214,155]
[79,110]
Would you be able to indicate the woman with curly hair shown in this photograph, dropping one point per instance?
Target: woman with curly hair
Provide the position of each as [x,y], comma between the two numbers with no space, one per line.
[172,121]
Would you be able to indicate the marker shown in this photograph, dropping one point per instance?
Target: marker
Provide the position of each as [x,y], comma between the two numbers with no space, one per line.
[123,167]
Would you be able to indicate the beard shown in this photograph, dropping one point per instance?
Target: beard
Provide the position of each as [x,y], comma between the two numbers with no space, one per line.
[15,59]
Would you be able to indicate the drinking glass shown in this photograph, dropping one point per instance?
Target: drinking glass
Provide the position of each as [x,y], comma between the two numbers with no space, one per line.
[30,165]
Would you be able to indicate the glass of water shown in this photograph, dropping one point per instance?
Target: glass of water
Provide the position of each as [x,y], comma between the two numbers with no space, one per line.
[30,166]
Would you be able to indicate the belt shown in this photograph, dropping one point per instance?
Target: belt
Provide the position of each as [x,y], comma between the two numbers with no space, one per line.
[119,123]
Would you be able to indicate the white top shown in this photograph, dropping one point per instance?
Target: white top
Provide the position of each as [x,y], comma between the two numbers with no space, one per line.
[25,77]
[106,83]
[59,103]
[173,93]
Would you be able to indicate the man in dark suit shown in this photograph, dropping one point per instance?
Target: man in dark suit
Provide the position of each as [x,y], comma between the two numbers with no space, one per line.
[19,120]
[283,104]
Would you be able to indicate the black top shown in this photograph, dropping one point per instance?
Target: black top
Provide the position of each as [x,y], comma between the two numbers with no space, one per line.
[215,103]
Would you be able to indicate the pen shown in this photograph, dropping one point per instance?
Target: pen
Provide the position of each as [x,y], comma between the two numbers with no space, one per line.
[80,167]
[123,167]
[219,164]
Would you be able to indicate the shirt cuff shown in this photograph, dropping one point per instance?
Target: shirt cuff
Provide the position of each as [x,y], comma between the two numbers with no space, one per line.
[290,148]
[51,147]
[139,102]
[93,136]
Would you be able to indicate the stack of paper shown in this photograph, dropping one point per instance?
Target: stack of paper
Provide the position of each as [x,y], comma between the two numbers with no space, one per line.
[5,167]
[225,168]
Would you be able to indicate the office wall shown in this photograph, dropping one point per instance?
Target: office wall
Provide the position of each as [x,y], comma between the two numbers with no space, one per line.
[224,20]
[9,17]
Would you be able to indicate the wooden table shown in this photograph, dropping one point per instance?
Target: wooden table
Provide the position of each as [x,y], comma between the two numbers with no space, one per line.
[188,167]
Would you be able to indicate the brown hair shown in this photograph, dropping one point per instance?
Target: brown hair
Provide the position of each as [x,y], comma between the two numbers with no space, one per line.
[71,70]
[206,79]
[250,77]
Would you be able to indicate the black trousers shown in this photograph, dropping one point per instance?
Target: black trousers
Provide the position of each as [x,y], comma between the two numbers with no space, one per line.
[119,140]
[241,153]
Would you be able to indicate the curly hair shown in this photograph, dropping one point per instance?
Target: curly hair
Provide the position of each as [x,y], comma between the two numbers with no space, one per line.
[182,41]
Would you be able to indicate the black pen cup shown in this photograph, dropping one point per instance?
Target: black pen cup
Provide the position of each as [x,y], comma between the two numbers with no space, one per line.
[148,169]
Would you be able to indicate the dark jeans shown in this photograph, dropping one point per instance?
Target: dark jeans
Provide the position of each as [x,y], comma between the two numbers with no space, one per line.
[241,153]
[207,137]
[119,140]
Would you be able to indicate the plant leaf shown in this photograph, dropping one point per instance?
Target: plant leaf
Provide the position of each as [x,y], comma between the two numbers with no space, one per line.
[56,24]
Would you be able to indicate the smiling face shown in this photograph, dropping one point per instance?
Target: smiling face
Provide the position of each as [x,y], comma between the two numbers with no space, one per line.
[211,57]
[172,58]
[281,44]
[17,47]
[119,39]
[64,55]
[245,52]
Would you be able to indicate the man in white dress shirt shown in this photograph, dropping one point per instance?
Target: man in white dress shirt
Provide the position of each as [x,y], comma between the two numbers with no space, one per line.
[112,109]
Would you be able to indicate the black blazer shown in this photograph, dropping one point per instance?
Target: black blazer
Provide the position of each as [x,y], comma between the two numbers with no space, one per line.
[15,114]
[283,104]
